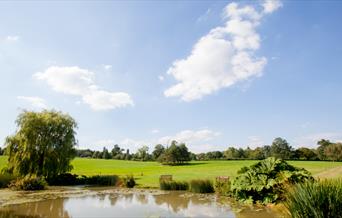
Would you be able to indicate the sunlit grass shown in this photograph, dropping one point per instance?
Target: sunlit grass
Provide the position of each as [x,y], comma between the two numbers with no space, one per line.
[148,173]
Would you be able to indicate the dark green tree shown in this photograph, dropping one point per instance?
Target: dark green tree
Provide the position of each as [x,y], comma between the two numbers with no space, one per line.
[158,150]
[106,154]
[280,148]
[43,144]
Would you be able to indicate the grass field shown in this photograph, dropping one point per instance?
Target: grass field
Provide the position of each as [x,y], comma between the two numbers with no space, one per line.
[148,172]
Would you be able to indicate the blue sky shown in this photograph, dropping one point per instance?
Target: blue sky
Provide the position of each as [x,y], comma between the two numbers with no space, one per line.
[210,73]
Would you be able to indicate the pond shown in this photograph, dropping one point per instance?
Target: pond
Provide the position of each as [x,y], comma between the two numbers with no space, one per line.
[135,204]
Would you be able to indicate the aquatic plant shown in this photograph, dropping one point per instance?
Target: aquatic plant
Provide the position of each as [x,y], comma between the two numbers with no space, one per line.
[173,185]
[222,186]
[322,199]
[129,181]
[267,180]
[201,186]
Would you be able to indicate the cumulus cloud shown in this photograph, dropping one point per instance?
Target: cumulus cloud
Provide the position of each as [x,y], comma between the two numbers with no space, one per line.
[223,57]
[271,5]
[80,82]
[12,38]
[107,67]
[196,141]
[190,136]
[311,140]
[35,102]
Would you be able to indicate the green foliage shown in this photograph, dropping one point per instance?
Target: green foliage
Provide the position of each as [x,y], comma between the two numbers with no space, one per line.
[280,148]
[101,180]
[173,185]
[223,187]
[6,179]
[28,183]
[175,154]
[267,180]
[65,179]
[129,181]
[43,144]
[201,186]
[321,199]
[158,150]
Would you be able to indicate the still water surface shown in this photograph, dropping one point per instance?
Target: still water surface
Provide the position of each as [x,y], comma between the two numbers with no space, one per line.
[143,204]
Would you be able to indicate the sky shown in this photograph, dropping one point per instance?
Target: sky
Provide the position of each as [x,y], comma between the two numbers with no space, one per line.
[212,74]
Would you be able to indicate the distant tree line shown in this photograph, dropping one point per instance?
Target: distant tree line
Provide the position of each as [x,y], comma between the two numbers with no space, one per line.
[178,153]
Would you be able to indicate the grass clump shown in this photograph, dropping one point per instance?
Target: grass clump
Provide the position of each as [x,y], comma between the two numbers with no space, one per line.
[222,187]
[201,186]
[28,183]
[102,180]
[129,181]
[321,199]
[174,185]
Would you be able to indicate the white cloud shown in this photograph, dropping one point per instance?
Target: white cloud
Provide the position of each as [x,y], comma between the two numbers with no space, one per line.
[196,141]
[155,131]
[161,78]
[107,67]
[35,102]
[223,57]
[311,140]
[12,38]
[80,82]
[271,5]
[204,16]
[190,136]
[255,141]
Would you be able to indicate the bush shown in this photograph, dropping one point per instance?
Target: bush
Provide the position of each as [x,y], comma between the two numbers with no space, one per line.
[267,180]
[201,186]
[222,186]
[5,179]
[129,181]
[28,183]
[102,180]
[316,199]
[65,179]
[173,185]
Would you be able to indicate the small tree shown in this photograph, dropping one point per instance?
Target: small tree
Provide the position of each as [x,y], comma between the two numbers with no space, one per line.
[42,145]
[158,150]
[281,149]
[175,154]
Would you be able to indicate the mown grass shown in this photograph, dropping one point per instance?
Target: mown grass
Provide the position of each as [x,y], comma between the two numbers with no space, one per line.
[148,173]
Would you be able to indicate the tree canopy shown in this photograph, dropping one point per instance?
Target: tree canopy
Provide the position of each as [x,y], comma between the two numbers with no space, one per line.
[42,145]
[175,154]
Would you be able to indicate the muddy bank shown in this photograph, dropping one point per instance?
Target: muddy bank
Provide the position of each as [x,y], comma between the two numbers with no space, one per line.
[10,197]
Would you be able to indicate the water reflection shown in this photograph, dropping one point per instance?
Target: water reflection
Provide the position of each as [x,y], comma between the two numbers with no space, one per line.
[173,204]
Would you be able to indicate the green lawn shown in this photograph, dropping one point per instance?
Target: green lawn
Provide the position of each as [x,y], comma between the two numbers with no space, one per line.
[148,172]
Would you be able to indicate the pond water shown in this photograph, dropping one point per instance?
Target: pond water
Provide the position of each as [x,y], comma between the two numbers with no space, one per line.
[135,204]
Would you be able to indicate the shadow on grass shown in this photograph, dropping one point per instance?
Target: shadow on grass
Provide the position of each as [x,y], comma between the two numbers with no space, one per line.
[186,164]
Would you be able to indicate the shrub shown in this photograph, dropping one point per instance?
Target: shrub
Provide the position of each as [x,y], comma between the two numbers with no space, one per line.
[222,186]
[173,185]
[102,180]
[316,199]
[5,179]
[28,183]
[267,180]
[201,186]
[65,179]
[129,181]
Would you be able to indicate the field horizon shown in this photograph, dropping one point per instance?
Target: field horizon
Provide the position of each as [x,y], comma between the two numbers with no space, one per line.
[147,173]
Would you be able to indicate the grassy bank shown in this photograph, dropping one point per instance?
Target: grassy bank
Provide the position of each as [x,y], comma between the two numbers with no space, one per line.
[148,173]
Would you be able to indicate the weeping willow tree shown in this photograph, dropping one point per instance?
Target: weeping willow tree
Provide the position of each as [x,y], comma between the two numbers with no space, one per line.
[43,144]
